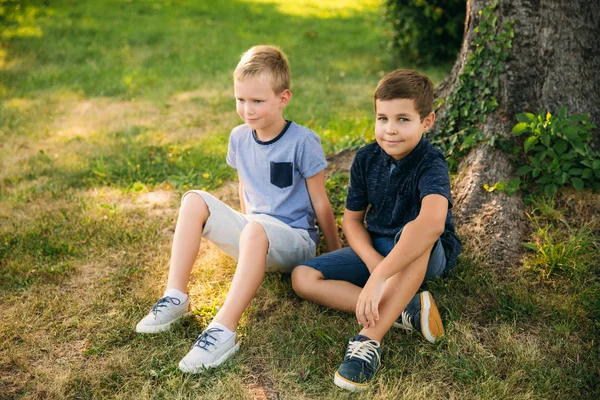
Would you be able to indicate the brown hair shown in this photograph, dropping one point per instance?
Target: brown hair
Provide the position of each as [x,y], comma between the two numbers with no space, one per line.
[265,61]
[406,84]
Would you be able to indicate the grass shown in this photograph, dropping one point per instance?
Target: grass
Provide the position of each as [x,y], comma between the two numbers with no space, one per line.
[109,111]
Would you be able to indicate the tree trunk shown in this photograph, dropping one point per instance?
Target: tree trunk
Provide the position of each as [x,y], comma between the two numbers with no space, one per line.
[554,62]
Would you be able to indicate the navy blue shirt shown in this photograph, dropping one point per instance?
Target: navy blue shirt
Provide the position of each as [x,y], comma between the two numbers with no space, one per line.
[391,190]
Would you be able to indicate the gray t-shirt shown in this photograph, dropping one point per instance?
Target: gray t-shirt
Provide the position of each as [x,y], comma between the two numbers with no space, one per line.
[274,173]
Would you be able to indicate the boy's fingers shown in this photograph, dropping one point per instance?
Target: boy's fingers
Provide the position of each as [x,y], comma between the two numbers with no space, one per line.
[375,311]
[369,313]
[359,312]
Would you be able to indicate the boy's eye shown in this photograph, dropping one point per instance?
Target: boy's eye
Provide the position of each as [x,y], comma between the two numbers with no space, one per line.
[381,118]
[240,100]
[402,119]
[258,101]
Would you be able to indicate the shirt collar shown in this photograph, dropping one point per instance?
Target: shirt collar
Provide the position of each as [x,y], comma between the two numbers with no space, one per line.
[285,128]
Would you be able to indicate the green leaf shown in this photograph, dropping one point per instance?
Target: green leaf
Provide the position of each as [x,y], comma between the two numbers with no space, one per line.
[520,128]
[524,118]
[577,183]
[525,169]
[550,189]
[536,172]
[571,133]
[575,171]
[596,165]
[530,246]
[587,173]
[562,113]
[560,146]
[545,137]
[579,117]
[530,142]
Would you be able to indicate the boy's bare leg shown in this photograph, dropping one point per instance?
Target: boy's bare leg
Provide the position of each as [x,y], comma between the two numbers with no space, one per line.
[186,242]
[399,290]
[342,295]
[310,284]
[248,276]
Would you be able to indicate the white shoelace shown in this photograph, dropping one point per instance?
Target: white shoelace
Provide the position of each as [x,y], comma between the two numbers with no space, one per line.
[406,321]
[364,350]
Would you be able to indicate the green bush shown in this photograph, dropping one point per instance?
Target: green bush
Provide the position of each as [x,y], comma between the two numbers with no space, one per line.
[557,150]
[426,31]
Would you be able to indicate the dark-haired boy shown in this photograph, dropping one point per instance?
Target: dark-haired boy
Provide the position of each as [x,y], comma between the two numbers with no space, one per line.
[401,184]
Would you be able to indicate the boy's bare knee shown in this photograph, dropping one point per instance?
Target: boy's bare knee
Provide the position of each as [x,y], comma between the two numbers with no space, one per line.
[193,203]
[254,232]
[303,278]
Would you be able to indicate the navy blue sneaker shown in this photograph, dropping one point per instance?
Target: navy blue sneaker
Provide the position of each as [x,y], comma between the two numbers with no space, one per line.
[422,314]
[360,364]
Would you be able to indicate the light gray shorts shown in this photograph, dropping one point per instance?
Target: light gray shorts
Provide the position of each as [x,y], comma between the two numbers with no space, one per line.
[288,246]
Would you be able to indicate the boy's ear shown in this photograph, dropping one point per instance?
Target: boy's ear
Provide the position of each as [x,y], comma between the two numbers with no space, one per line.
[428,121]
[284,98]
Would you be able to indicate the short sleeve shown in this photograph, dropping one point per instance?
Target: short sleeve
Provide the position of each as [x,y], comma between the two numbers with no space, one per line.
[434,179]
[310,158]
[231,151]
[357,190]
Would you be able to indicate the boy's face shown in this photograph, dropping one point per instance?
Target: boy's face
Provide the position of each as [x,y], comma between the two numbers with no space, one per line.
[398,126]
[258,105]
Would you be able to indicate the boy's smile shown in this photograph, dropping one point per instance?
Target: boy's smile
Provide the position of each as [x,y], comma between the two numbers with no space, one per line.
[398,126]
[260,107]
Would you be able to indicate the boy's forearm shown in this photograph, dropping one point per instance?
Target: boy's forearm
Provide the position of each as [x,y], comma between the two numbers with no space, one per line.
[241,195]
[417,238]
[328,227]
[359,239]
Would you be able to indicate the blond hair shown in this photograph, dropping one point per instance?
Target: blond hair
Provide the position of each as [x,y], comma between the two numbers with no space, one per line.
[265,62]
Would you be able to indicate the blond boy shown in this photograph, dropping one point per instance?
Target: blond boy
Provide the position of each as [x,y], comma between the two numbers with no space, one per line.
[280,167]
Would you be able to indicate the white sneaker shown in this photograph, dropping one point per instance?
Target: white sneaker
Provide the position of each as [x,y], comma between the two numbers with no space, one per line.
[166,311]
[208,351]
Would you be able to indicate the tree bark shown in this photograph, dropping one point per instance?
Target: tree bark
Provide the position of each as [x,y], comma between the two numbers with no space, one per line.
[554,62]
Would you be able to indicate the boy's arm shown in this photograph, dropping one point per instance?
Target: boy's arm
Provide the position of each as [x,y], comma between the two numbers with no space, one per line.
[359,239]
[241,194]
[320,202]
[417,237]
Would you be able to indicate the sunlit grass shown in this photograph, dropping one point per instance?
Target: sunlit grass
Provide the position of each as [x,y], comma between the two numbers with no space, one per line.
[121,106]
[320,9]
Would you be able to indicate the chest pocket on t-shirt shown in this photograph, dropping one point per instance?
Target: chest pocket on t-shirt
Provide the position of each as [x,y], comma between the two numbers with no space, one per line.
[281,174]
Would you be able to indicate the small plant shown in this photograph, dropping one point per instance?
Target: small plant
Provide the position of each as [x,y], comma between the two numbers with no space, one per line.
[557,151]
[555,250]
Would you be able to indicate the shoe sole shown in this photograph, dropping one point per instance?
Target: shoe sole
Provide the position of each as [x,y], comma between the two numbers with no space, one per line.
[195,369]
[159,328]
[344,383]
[431,322]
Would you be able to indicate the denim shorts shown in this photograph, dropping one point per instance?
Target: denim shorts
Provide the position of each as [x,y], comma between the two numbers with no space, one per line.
[346,265]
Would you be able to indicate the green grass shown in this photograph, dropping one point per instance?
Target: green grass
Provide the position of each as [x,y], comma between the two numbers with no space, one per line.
[110,110]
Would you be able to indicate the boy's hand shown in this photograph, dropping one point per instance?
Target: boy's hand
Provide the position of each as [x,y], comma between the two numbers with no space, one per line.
[367,306]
